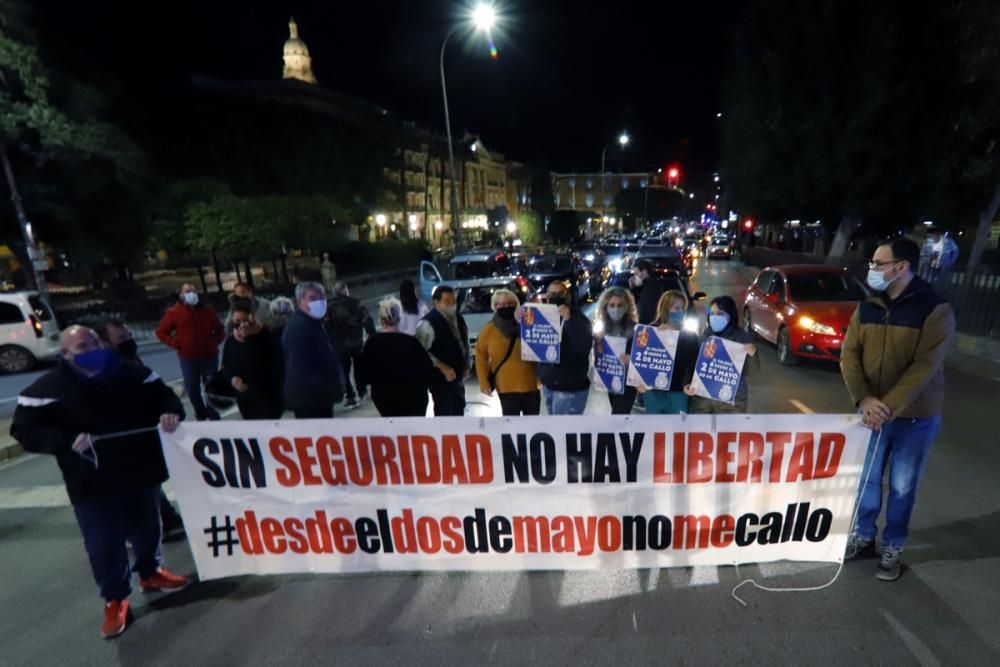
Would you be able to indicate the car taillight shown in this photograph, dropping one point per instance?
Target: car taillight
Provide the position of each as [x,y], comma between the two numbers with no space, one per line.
[522,283]
[36,324]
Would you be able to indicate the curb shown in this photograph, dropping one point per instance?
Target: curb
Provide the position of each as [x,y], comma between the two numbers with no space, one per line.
[10,451]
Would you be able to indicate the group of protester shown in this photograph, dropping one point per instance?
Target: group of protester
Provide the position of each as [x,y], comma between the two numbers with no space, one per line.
[99,411]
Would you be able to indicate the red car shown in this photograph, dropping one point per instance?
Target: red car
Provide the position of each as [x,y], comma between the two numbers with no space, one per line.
[803,309]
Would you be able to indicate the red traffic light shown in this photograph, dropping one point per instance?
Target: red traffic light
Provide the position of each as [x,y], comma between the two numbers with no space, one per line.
[674,173]
[748,224]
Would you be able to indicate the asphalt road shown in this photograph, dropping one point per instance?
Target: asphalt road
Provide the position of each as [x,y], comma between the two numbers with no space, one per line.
[942,611]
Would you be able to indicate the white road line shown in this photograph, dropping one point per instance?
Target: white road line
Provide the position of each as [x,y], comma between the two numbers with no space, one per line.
[801,407]
[27,497]
[704,575]
[9,400]
[17,460]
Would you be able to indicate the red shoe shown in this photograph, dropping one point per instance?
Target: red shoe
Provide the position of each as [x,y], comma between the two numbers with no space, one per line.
[163,580]
[115,618]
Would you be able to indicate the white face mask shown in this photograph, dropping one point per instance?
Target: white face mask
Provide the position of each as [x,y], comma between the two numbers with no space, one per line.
[317,309]
[877,281]
[190,298]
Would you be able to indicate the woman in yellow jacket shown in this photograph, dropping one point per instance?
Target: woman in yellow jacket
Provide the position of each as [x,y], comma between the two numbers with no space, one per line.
[498,360]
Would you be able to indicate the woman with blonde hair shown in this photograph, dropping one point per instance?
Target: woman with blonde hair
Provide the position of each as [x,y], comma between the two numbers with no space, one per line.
[498,359]
[396,366]
[617,315]
[672,314]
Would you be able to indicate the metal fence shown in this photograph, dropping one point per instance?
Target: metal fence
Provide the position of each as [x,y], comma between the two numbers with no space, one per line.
[975,299]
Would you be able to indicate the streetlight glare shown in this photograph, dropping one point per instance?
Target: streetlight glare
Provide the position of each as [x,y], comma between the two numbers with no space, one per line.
[623,139]
[484,16]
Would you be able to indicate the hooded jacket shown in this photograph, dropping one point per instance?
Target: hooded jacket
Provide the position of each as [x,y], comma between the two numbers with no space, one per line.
[894,350]
[733,332]
[61,404]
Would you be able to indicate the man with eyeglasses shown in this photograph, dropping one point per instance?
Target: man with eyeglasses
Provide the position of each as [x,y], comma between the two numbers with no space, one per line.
[893,365]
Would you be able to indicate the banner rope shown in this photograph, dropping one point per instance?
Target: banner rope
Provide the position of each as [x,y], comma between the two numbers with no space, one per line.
[840,568]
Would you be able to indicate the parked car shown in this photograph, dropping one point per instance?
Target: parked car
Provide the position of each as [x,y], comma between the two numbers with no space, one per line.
[472,265]
[474,301]
[28,331]
[664,259]
[543,269]
[803,309]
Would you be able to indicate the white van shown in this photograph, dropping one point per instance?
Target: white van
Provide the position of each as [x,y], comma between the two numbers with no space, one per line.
[28,331]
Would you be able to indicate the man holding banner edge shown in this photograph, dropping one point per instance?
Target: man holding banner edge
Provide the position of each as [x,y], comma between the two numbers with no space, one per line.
[893,365]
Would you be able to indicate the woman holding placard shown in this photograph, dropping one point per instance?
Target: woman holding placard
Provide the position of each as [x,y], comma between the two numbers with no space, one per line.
[499,364]
[616,318]
[672,314]
[726,350]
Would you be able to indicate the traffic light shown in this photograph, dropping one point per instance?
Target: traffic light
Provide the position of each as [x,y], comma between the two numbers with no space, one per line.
[748,225]
[673,175]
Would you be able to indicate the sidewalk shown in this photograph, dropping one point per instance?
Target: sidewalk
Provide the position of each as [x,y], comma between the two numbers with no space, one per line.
[975,355]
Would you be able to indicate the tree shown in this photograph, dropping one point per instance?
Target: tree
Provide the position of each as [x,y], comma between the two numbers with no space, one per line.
[530,228]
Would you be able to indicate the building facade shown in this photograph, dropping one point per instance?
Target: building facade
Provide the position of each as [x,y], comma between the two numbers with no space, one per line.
[593,193]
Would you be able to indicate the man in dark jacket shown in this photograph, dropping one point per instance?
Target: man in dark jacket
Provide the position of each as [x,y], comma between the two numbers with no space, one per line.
[314,381]
[893,365]
[348,322]
[566,385]
[193,329]
[99,418]
[647,290]
[445,336]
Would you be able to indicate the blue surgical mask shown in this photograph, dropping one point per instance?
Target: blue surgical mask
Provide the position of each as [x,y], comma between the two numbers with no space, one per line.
[718,322]
[877,281]
[616,313]
[98,363]
[676,318]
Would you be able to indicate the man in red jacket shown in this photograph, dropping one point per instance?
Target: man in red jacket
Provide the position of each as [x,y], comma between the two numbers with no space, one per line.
[195,331]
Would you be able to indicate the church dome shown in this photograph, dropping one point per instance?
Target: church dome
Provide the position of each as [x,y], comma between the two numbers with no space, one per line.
[298,64]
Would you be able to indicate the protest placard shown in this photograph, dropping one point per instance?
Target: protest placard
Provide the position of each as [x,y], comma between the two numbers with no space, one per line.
[609,371]
[541,331]
[719,369]
[652,362]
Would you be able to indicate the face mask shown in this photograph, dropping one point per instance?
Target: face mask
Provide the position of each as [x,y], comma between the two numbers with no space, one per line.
[451,310]
[616,313]
[718,322]
[556,300]
[98,363]
[877,281]
[190,298]
[128,349]
[676,318]
[637,279]
[506,313]
[317,309]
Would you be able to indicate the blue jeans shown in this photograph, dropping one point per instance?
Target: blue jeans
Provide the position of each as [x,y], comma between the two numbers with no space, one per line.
[666,402]
[903,447]
[194,372]
[106,523]
[565,402]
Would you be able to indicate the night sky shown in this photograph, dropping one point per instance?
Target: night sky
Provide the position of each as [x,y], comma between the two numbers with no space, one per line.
[570,75]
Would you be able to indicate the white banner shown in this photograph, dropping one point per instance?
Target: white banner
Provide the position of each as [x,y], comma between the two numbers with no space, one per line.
[357,495]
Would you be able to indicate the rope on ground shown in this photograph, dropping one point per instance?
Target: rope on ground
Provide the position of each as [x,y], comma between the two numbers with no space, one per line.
[840,568]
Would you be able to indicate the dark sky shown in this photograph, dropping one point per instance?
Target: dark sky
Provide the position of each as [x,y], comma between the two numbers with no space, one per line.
[570,76]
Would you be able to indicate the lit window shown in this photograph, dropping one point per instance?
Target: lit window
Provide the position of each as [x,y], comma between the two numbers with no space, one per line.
[590,200]
[557,199]
[572,182]
[607,202]
[590,183]
[624,183]
[642,182]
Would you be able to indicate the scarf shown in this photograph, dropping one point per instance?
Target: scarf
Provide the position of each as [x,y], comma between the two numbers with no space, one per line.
[507,328]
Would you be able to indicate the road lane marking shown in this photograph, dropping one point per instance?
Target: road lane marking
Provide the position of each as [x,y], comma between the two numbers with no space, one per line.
[704,575]
[31,497]
[801,407]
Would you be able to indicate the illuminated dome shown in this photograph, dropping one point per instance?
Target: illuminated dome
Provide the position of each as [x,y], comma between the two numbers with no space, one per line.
[298,64]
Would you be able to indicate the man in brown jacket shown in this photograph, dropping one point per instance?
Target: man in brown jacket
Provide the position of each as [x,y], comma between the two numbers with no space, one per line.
[893,365]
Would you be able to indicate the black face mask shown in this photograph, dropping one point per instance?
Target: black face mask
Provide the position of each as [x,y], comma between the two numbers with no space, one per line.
[506,313]
[557,300]
[128,349]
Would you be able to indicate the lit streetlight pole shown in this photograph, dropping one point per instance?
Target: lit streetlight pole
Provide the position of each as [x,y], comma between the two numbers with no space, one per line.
[483,19]
[623,140]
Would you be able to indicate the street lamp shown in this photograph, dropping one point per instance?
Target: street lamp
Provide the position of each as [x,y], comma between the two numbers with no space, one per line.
[483,18]
[623,140]
[511,227]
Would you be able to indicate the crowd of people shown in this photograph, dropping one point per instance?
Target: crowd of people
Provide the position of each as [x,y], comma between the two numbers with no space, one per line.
[285,355]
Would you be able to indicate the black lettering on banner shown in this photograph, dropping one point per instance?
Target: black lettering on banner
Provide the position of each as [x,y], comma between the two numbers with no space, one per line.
[500,534]
[476,540]
[745,537]
[251,463]
[201,450]
[800,522]
[660,532]
[631,450]
[515,458]
[819,525]
[606,463]
[770,528]
[385,530]
[543,443]
[367,532]
[578,458]
[634,533]
[789,522]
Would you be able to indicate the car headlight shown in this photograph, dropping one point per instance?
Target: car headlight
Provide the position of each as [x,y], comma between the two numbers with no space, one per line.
[812,325]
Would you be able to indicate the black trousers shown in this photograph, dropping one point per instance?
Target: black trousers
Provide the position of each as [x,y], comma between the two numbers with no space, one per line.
[514,404]
[621,404]
[348,359]
[449,399]
[314,412]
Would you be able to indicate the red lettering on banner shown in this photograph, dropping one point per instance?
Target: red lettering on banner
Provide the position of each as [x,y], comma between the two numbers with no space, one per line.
[699,467]
[405,461]
[723,529]
[724,457]
[531,533]
[425,459]
[384,455]
[307,461]
[331,469]
[831,448]
[562,538]
[297,543]
[318,532]
[586,533]
[660,473]
[358,460]
[750,460]
[777,442]
[800,463]
[288,475]
[404,534]
[428,535]
[479,455]
[249,534]
[451,526]
[343,535]
[452,463]
[691,532]
[609,533]
[272,535]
